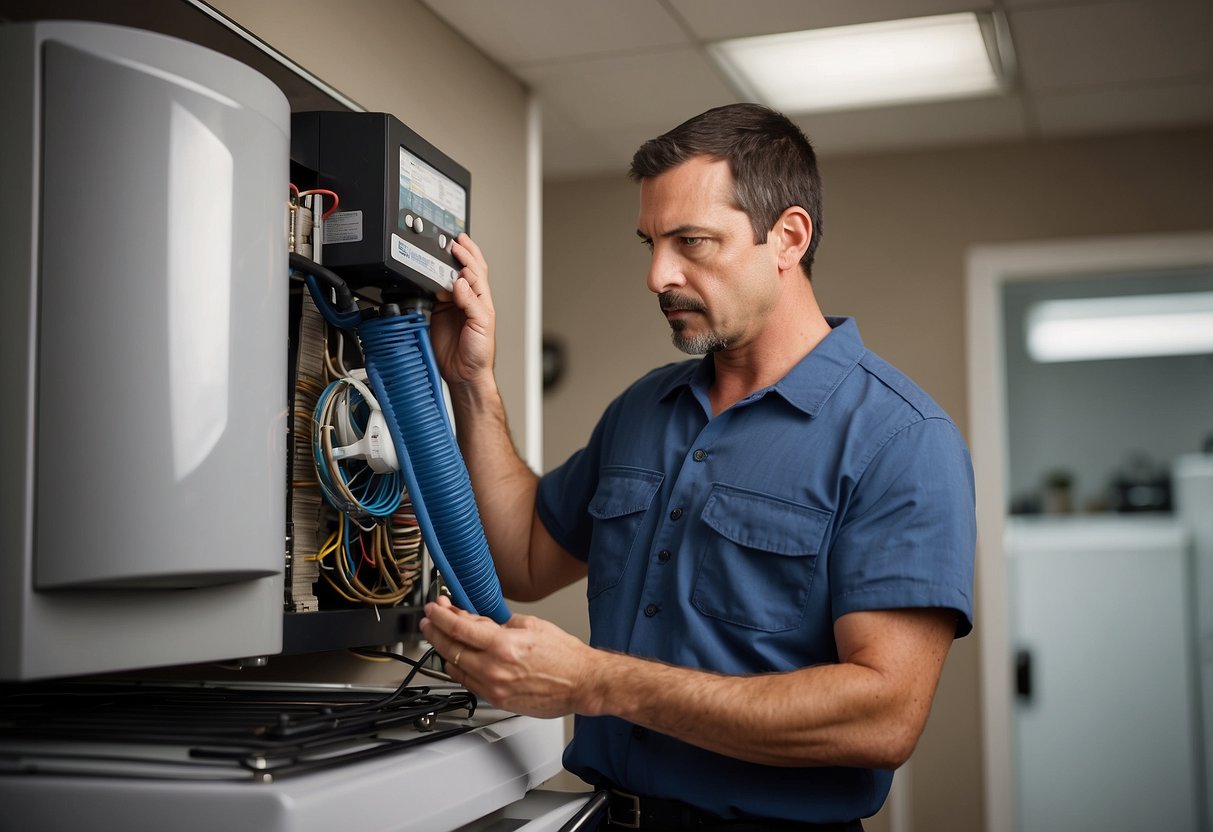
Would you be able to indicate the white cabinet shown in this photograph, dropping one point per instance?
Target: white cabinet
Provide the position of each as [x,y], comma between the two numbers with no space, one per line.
[1193,484]
[1106,725]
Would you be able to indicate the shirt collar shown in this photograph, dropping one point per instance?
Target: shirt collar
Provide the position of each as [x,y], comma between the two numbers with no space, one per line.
[809,384]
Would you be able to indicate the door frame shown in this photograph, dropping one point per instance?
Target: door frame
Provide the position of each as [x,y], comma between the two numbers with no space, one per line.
[989,268]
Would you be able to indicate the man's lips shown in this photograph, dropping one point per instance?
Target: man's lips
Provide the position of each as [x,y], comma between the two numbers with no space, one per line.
[676,306]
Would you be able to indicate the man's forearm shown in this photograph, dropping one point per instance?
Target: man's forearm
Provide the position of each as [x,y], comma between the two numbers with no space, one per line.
[841,714]
[503,484]
[866,710]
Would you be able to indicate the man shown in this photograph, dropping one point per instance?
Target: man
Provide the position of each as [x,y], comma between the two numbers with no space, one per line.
[778,536]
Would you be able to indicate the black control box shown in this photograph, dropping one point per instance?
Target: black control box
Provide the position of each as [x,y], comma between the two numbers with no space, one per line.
[402,201]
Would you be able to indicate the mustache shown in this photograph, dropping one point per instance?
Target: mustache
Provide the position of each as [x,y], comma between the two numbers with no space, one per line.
[674,302]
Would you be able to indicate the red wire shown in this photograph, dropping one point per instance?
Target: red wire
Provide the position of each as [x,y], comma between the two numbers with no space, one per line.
[362,545]
[326,192]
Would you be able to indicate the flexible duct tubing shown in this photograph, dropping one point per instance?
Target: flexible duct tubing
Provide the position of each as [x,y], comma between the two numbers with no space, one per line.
[403,376]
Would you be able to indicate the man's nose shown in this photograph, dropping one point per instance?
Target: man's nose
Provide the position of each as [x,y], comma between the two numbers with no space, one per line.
[665,271]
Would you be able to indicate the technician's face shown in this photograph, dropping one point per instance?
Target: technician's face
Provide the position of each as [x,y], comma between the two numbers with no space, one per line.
[715,286]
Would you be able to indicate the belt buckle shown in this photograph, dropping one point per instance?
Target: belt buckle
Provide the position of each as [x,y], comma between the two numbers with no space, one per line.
[634,823]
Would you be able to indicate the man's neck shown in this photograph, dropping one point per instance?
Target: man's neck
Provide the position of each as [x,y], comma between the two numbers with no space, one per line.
[791,334]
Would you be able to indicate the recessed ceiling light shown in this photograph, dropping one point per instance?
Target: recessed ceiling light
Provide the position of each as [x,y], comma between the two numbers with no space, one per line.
[867,65]
[1132,326]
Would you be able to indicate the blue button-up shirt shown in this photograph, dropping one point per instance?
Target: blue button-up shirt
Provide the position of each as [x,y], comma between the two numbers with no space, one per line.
[733,542]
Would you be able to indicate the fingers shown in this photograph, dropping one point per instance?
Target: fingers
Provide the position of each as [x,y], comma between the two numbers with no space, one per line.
[456,634]
[470,291]
[465,250]
[527,666]
[475,268]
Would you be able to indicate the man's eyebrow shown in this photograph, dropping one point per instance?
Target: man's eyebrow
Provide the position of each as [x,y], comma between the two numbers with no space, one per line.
[680,231]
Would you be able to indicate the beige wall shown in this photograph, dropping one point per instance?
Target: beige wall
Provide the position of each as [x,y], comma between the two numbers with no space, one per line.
[897,228]
[395,56]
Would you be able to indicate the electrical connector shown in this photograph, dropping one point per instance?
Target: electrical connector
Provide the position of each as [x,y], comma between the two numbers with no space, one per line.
[374,443]
[303,230]
[375,446]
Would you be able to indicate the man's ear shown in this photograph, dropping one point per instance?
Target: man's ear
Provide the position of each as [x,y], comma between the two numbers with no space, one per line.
[792,232]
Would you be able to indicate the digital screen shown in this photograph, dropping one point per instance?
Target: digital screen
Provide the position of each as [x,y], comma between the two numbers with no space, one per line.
[426,193]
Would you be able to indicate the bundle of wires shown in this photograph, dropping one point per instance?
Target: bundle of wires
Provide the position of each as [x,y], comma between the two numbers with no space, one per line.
[350,485]
[375,548]
[367,567]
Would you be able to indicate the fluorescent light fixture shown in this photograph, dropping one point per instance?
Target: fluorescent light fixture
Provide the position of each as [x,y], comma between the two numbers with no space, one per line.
[1130,326]
[865,65]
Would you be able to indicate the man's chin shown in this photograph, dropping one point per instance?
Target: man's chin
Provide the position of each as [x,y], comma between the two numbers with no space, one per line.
[697,345]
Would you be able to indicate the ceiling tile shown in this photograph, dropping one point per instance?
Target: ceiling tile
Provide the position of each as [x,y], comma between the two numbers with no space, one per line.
[611,156]
[666,86]
[969,121]
[613,73]
[527,31]
[1141,108]
[717,19]
[1068,47]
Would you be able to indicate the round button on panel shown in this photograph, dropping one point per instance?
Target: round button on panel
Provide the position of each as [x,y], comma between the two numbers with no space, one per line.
[418,225]
[441,241]
[408,220]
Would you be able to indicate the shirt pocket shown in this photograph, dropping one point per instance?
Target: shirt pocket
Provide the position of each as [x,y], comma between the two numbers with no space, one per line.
[618,507]
[757,570]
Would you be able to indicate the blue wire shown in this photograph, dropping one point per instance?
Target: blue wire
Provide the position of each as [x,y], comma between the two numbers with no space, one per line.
[378,495]
[350,563]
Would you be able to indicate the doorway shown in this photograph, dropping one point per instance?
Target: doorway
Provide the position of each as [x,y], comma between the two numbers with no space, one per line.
[992,271]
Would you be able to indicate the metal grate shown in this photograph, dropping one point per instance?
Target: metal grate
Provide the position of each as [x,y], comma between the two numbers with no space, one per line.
[206,731]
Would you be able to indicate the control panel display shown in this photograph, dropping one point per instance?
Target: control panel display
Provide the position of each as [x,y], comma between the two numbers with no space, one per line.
[426,193]
[433,208]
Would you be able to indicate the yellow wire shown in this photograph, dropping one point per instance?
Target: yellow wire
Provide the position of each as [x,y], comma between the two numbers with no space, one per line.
[338,589]
[331,544]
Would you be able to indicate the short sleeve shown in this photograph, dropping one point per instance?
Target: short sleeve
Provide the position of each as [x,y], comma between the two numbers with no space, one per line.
[564,494]
[908,537]
[559,508]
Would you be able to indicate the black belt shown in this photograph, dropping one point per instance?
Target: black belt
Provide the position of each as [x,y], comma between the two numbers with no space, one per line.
[629,811]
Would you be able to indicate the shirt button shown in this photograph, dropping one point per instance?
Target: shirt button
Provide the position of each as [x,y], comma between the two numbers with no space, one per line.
[638,732]
[675,514]
[663,555]
[650,610]
[700,455]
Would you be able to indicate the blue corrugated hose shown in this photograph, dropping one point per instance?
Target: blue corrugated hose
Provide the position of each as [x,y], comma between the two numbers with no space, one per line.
[402,373]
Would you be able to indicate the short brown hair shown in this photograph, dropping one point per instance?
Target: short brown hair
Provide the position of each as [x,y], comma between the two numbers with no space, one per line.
[773,163]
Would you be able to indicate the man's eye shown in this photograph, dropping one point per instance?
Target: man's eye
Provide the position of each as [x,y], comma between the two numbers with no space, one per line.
[691,242]
[647,244]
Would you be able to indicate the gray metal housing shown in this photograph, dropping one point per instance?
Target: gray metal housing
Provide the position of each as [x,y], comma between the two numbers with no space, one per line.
[143,333]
